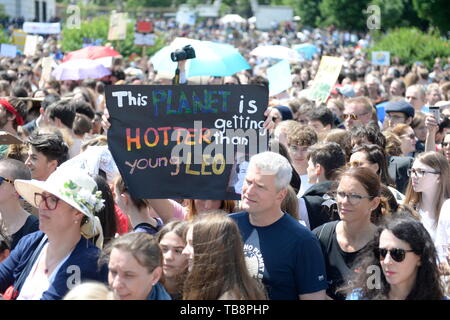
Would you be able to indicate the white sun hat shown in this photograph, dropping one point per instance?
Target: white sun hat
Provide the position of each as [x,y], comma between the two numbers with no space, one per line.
[76,188]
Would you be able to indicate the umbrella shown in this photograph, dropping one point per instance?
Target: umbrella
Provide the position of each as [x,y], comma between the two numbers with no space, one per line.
[308,50]
[80,69]
[212,59]
[91,52]
[277,52]
[232,19]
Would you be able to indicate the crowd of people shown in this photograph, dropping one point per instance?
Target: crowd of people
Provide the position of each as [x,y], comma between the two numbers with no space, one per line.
[352,201]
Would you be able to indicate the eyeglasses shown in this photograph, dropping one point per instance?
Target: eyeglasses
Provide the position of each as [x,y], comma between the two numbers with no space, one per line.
[5,179]
[396,254]
[410,136]
[395,117]
[352,116]
[352,198]
[51,202]
[445,144]
[295,149]
[419,173]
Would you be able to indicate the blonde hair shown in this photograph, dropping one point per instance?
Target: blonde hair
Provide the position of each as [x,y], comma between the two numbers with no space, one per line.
[90,291]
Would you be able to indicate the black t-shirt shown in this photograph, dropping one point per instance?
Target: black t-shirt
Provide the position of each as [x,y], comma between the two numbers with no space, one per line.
[338,262]
[31,225]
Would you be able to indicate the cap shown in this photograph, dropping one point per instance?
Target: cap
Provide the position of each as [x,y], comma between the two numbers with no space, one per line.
[400,106]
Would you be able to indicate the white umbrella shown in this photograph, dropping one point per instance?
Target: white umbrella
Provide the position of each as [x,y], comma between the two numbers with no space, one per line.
[231,18]
[277,52]
[80,69]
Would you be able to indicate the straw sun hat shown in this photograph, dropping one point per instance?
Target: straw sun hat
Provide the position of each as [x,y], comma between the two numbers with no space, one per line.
[74,187]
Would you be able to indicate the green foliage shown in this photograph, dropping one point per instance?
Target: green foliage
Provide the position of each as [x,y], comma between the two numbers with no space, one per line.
[344,14]
[437,12]
[4,38]
[308,11]
[411,45]
[98,28]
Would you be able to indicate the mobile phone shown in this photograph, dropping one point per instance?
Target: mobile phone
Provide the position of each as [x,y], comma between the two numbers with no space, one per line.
[435,112]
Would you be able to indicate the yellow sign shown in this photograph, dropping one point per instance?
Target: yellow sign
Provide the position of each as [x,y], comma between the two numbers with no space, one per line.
[18,38]
[326,77]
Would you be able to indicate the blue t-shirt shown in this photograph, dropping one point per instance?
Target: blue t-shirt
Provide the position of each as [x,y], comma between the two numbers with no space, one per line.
[286,256]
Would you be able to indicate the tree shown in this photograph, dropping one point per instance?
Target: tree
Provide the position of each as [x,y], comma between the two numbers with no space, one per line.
[345,14]
[437,12]
[307,10]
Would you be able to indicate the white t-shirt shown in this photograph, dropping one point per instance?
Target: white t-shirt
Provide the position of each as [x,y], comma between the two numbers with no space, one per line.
[36,284]
[443,230]
[304,185]
[429,223]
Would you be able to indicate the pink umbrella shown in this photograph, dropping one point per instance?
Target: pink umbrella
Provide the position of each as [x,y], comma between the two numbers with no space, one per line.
[92,52]
[80,69]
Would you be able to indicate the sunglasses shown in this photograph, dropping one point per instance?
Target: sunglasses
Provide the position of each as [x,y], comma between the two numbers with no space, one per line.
[398,255]
[5,179]
[445,144]
[352,116]
[51,202]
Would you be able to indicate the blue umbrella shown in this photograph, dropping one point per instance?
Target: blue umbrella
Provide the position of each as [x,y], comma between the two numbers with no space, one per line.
[212,59]
[308,50]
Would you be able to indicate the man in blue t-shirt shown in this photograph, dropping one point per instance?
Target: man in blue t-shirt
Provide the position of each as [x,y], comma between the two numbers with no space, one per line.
[280,251]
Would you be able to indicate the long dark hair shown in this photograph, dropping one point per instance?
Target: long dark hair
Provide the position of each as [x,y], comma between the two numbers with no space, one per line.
[375,154]
[414,233]
[107,215]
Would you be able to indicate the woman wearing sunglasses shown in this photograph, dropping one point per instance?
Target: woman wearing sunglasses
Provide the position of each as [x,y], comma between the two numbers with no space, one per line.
[428,192]
[358,201]
[46,264]
[399,264]
[407,137]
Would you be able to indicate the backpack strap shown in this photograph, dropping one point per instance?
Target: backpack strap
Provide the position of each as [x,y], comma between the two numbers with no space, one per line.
[325,234]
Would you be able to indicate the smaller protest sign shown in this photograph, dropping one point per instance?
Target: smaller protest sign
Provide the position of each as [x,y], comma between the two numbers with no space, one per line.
[42,27]
[325,79]
[381,58]
[279,76]
[31,45]
[8,50]
[47,63]
[144,27]
[141,39]
[117,26]
[18,38]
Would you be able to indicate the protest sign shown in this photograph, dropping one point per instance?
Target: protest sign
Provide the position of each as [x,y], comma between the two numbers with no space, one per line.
[8,50]
[144,26]
[279,76]
[42,27]
[325,78]
[185,141]
[141,39]
[118,26]
[19,38]
[31,45]
[47,63]
[381,58]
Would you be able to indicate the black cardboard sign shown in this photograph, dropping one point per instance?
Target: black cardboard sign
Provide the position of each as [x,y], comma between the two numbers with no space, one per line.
[185,141]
